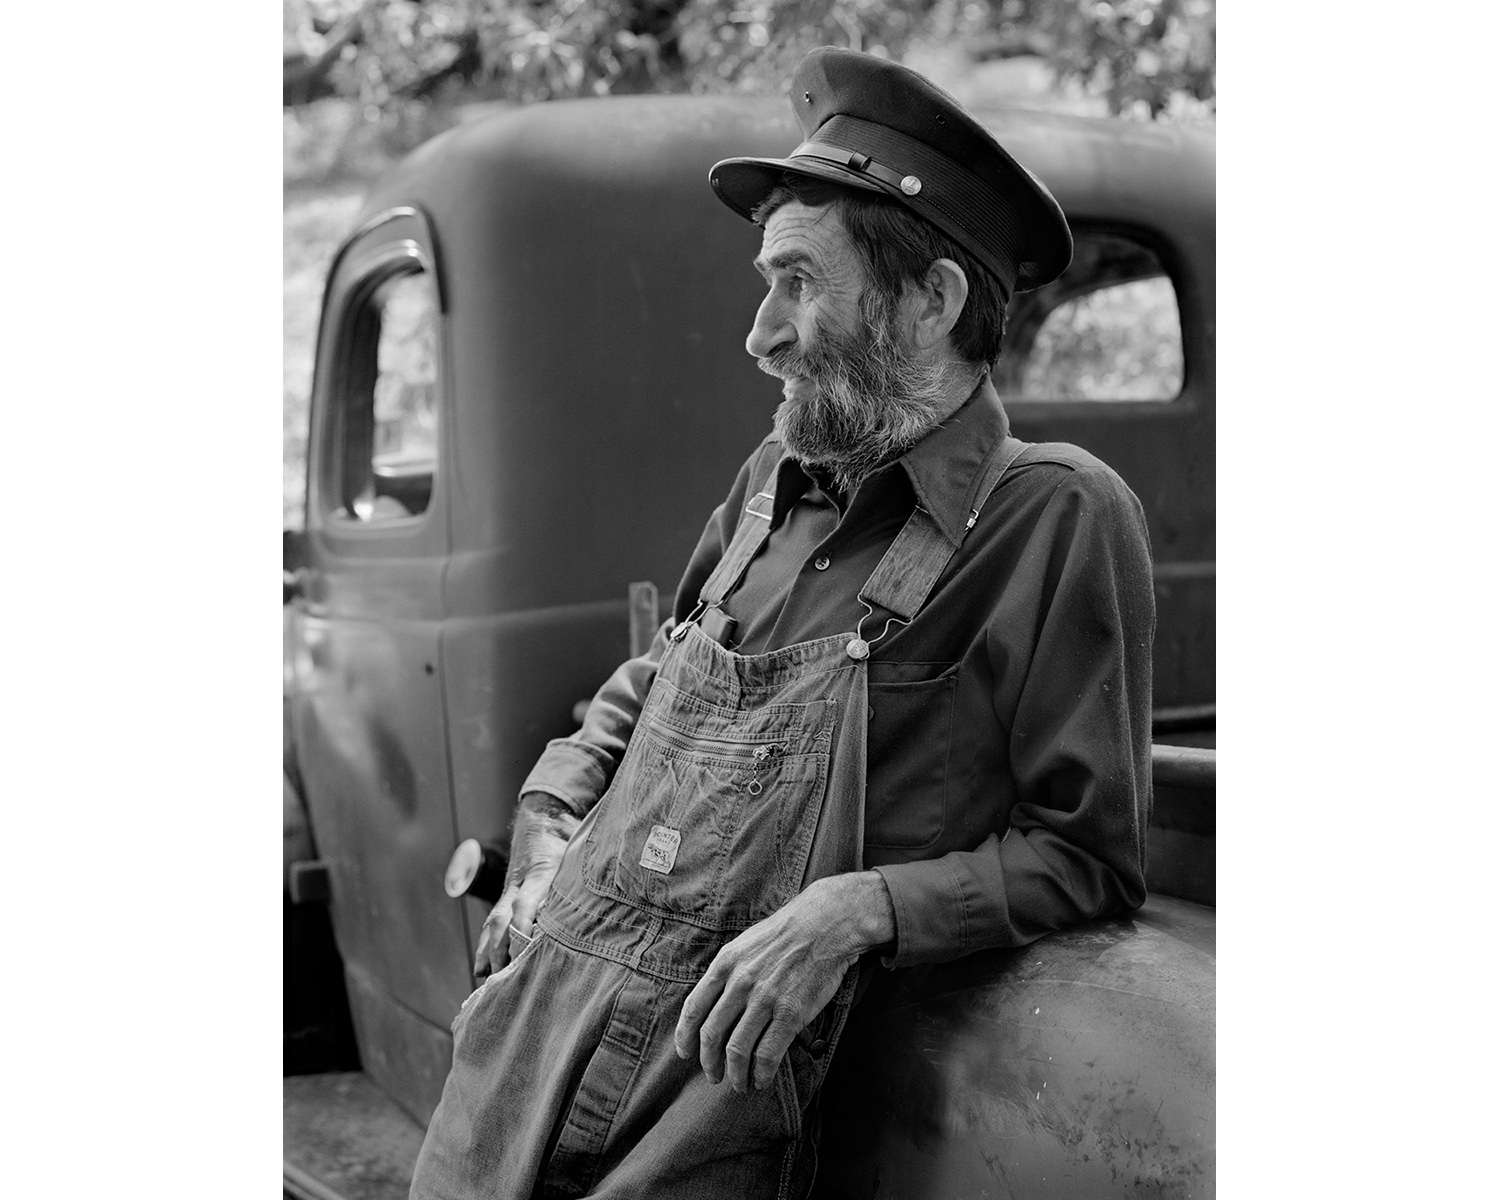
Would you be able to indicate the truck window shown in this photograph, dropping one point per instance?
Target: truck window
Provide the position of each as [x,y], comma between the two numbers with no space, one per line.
[389,399]
[1108,329]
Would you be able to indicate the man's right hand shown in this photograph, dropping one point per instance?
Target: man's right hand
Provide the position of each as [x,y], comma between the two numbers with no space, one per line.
[543,826]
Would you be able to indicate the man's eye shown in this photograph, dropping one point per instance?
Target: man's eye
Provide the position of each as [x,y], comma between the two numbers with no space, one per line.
[795,285]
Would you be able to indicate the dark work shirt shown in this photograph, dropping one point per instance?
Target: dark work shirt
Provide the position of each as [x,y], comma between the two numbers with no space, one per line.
[1008,760]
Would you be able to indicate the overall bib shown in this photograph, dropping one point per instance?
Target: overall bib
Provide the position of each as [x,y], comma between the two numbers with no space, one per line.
[742,783]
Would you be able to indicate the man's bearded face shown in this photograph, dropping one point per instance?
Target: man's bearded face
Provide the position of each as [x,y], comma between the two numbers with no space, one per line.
[857,399]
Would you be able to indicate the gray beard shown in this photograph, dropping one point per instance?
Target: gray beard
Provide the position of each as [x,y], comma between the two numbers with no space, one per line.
[873,399]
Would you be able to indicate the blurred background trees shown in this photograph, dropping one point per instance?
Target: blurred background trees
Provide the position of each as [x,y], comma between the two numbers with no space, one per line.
[407,66]
[363,81]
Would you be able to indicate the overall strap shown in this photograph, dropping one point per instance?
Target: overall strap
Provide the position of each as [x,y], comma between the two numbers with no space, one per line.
[905,577]
[749,536]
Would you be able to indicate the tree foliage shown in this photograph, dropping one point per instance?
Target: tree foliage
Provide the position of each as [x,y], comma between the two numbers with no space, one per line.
[1137,54]
[1139,57]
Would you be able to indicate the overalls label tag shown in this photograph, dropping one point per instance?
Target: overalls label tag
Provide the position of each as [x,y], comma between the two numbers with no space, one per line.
[661,849]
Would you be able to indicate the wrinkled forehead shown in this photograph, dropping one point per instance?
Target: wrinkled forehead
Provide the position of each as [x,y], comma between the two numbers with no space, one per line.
[798,234]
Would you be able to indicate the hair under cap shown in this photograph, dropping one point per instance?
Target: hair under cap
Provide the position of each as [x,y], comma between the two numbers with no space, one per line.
[873,124]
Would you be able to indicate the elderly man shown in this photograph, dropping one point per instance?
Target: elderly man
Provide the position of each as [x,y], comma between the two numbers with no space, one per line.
[901,711]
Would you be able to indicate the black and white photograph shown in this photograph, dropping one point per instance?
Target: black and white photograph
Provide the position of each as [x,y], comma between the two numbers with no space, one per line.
[766,598]
[749,544]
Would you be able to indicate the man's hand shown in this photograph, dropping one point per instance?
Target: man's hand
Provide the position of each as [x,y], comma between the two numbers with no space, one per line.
[543,826]
[763,988]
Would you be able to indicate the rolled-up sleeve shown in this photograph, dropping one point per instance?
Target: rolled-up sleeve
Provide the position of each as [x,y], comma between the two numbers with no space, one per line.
[1069,648]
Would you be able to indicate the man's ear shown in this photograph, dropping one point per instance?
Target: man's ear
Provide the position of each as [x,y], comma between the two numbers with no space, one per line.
[938,302]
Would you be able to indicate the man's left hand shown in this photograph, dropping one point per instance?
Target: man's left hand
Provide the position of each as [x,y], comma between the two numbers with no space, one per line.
[763,988]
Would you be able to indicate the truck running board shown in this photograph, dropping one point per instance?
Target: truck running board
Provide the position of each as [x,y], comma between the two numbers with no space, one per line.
[342,1138]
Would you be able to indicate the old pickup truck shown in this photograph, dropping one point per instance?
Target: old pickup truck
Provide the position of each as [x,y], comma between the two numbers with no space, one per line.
[530,390]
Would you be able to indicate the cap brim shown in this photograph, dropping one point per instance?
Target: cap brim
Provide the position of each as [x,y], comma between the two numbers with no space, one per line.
[742,183]
[1053,243]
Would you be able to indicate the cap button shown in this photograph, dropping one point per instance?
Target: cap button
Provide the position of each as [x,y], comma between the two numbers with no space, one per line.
[911,185]
[807,96]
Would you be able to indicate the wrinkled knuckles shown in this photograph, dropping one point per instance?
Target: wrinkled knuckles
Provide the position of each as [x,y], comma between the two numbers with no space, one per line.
[766,995]
[786,1011]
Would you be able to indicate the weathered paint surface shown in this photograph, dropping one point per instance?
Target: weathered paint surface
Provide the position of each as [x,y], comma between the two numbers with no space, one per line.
[1082,1065]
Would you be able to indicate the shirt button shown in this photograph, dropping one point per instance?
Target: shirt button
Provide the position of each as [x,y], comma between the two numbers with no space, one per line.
[818,1047]
[821,562]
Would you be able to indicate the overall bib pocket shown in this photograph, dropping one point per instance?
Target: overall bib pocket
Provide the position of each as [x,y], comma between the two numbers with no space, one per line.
[714,827]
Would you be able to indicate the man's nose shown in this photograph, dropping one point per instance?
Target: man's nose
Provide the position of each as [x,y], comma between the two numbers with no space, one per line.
[771,330]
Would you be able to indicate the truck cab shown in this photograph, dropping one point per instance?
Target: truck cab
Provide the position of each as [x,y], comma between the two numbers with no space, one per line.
[530,391]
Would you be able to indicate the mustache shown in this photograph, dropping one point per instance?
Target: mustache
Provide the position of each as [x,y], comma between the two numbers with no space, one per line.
[783,364]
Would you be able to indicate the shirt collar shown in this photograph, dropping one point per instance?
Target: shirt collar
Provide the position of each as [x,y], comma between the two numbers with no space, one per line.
[943,468]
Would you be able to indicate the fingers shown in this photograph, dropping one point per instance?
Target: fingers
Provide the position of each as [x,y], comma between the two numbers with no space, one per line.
[760,1039]
[493,948]
[700,1002]
[529,901]
[742,1054]
[716,1034]
[786,1024]
[738,1030]
[516,911]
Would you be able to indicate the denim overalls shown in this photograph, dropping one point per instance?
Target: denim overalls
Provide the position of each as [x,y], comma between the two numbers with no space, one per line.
[743,782]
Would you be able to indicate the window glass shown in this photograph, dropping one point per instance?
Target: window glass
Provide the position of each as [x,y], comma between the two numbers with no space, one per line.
[390,406]
[1108,329]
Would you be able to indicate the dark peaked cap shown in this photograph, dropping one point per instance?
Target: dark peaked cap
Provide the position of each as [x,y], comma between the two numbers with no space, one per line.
[873,124]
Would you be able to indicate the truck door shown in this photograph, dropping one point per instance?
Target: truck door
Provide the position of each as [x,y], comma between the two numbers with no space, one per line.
[369,714]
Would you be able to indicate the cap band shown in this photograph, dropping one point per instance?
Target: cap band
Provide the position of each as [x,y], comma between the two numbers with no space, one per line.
[852,159]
